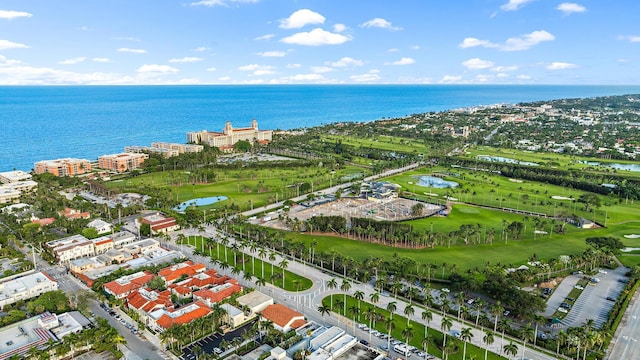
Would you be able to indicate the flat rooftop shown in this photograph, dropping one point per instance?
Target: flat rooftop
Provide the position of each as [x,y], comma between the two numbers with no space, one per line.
[253,299]
[18,338]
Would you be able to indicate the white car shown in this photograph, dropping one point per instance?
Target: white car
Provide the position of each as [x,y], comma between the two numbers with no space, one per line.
[563,310]
[602,271]
[579,287]
[217,350]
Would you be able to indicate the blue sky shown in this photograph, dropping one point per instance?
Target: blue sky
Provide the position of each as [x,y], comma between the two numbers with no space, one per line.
[319,42]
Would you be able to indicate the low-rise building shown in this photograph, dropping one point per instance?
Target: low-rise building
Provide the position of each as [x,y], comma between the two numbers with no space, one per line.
[11,192]
[14,176]
[102,244]
[174,272]
[72,247]
[63,167]
[122,238]
[217,293]
[158,223]
[101,226]
[233,316]
[122,162]
[26,287]
[123,286]
[283,318]
[165,318]
[73,214]
[255,302]
[19,337]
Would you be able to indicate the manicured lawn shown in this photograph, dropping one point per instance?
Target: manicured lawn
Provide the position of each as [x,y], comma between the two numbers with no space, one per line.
[252,265]
[382,142]
[400,323]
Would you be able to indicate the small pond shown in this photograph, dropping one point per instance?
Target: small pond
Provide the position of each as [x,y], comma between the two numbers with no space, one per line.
[199,202]
[628,167]
[435,182]
[505,160]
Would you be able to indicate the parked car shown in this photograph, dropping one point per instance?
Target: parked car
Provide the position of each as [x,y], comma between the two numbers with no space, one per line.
[611,298]
[579,287]
[565,305]
[506,313]
[217,350]
[364,342]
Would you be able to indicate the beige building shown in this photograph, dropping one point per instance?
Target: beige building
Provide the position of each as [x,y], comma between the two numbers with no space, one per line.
[122,162]
[14,176]
[229,136]
[63,167]
[26,287]
[72,247]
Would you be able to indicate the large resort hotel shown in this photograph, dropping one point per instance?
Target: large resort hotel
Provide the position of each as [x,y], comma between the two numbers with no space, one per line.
[229,136]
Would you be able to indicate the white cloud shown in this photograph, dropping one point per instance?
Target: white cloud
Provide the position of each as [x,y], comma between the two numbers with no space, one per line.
[8,62]
[264,37]
[212,3]
[307,77]
[127,38]
[403,61]
[316,37]
[294,66]
[346,61]
[134,51]
[379,23]
[483,78]
[258,70]
[100,60]
[186,59]
[557,65]
[211,69]
[29,75]
[157,69]
[505,68]
[224,78]
[514,5]
[371,76]
[570,8]
[477,64]
[631,38]
[524,77]
[415,47]
[72,61]
[502,75]
[201,49]
[9,14]
[6,45]
[272,53]
[448,79]
[300,18]
[321,69]
[522,42]
[339,28]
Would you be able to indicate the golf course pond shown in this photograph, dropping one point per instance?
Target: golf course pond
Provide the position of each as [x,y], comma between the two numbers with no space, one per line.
[435,182]
[199,202]
[505,160]
[618,166]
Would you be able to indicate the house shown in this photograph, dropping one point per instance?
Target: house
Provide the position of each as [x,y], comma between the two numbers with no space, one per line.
[174,272]
[123,286]
[233,316]
[122,238]
[255,302]
[158,223]
[217,293]
[165,318]
[283,318]
[102,244]
[141,246]
[101,226]
[73,214]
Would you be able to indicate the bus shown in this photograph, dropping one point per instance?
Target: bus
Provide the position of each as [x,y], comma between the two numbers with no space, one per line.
[401,349]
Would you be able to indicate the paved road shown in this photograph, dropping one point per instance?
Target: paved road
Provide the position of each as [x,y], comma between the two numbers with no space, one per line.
[625,343]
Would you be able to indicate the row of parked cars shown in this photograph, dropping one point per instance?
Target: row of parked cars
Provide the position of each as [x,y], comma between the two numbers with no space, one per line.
[396,345]
[117,317]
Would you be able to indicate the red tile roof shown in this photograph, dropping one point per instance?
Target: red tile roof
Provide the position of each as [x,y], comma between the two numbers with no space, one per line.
[200,310]
[121,290]
[172,273]
[218,293]
[282,315]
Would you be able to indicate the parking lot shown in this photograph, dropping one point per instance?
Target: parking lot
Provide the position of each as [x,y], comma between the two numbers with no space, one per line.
[212,342]
[593,302]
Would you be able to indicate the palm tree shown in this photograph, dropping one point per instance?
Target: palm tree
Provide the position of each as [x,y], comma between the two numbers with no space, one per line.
[283,265]
[370,314]
[324,310]
[496,310]
[332,284]
[391,308]
[465,335]
[407,334]
[389,325]
[561,338]
[510,349]
[526,334]
[272,259]
[345,286]
[427,316]
[355,312]
[537,320]
[503,325]
[445,326]
[374,297]
[408,312]
[358,295]
[425,344]
[488,340]
[262,253]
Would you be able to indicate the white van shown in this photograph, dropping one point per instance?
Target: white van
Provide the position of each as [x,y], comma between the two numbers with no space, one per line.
[401,349]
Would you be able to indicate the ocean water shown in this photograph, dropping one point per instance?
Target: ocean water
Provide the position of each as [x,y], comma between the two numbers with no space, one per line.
[49,122]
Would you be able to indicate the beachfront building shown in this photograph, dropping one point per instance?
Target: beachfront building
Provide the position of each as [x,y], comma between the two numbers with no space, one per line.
[26,287]
[229,136]
[121,162]
[63,167]
[14,176]
[13,184]
[179,148]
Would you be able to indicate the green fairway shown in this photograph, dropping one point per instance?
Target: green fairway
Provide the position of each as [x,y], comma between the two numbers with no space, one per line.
[382,142]
[248,265]
[400,324]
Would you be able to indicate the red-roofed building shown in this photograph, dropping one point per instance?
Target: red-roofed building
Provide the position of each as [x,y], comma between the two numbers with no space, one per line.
[283,318]
[144,300]
[43,222]
[159,223]
[217,293]
[165,318]
[174,272]
[73,214]
[123,286]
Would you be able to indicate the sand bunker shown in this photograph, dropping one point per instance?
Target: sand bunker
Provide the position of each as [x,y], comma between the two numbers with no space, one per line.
[431,194]
[540,232]
[556,197]
[632,236]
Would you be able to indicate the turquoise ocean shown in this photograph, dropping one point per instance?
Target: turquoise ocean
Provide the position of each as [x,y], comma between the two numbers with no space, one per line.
[49,122]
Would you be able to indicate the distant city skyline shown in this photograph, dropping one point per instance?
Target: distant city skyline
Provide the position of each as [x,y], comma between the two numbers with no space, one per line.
[319,42]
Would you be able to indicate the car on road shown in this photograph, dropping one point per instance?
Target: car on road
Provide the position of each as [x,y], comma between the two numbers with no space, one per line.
[611,298]
[383,347]
[364,342]
[217,350]
[623,280]
[602,271]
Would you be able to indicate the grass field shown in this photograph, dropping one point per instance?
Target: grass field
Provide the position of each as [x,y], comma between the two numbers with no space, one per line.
[383,142]
[400,323]
[245,187]
[252,265]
